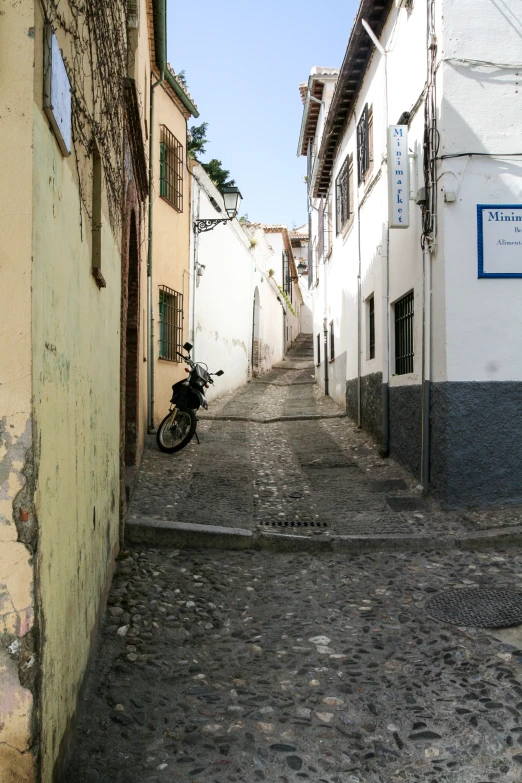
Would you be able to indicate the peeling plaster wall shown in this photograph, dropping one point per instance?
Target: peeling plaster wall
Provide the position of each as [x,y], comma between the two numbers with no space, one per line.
[76,379]
[17,764]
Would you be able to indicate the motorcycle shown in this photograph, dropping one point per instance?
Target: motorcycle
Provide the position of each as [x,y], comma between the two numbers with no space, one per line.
[179,425]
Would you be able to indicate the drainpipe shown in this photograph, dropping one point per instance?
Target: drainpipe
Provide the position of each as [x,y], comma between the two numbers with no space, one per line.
[359,324]
[426,371]
[386,345]
[385,275]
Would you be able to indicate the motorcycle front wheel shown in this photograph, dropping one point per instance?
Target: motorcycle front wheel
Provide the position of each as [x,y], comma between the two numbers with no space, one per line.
[176,430]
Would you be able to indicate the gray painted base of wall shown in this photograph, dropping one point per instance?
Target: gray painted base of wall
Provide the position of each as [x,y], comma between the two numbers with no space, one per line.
[476,443]
[476,436]
[371,403]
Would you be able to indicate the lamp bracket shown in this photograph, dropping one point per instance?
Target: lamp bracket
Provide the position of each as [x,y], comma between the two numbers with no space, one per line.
[208,225]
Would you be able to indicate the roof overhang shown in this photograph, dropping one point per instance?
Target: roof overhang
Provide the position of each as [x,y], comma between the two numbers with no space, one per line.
[353,70]
[312,94]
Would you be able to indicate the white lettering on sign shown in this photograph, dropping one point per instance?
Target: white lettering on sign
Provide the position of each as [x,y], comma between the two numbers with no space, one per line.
[398,176]
[499,240]
[57,92]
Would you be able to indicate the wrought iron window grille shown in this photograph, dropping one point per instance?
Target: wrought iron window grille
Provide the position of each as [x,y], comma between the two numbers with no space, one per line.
[171,169]
[332,341]
[170,324]
[404,347]
[371,324]
[364,143]
[343,195]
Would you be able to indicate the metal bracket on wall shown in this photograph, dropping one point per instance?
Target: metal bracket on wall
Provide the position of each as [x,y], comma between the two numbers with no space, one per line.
[208,225]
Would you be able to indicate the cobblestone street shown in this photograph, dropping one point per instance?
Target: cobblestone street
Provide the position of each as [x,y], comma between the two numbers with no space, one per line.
[262,665]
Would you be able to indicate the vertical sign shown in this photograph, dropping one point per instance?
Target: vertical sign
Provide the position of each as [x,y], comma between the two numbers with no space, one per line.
[57,92]
[398,176]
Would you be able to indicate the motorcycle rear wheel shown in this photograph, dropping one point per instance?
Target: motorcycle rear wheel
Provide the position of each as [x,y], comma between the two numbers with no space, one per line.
[176,430]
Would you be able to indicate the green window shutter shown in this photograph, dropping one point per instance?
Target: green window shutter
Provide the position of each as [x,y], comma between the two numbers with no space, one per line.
[163,169]
[162,325]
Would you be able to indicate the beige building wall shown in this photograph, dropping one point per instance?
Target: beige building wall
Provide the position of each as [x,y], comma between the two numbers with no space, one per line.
[16,430]
[59,410]
[76,367]
[170,259]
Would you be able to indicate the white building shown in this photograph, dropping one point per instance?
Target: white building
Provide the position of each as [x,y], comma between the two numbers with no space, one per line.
[421,308]
[243,317]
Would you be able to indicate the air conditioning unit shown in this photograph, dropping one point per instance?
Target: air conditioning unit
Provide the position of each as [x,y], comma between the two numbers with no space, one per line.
[404,4]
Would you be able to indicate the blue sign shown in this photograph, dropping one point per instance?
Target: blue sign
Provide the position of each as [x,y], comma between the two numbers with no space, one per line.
[499,231]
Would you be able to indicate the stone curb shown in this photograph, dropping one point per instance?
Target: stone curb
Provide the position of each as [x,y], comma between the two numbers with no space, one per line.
[158,532]
[272,420]
[162,532]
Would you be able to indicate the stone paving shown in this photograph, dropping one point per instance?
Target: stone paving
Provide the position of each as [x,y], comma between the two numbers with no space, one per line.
[250,666]
[218,667]
[258,469]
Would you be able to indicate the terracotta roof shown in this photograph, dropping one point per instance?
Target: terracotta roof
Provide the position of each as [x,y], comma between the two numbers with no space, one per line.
[353,70]
[189,96]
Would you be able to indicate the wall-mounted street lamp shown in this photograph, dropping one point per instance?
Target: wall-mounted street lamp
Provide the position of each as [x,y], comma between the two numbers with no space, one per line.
[232,198]
[301,268]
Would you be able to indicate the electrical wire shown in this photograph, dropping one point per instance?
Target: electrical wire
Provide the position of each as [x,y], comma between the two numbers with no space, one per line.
[481,154]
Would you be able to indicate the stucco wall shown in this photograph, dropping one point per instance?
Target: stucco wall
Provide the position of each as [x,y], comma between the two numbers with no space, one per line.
[17,662]
[170,260]
[76,367]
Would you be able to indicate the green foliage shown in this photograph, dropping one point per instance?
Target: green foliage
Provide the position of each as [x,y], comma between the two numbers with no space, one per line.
[197,145]
[244,218]
[287,300]
[182,79]
[218,175]
[197,140]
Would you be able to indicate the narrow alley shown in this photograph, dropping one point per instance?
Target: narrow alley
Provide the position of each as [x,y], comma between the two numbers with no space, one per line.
[309,663]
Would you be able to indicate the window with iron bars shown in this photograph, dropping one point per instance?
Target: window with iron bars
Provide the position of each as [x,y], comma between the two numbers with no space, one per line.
[371,326]
[365,143]
[327,224]
[287,283]
[404,349]
[170,324]
[318,349]
[343,194]
[332,341]
[171,169]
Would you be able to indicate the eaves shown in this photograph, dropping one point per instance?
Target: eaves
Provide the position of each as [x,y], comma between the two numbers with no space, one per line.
[351,77]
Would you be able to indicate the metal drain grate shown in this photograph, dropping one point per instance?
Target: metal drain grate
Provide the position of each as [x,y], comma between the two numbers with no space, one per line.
[291,523]
[477,608]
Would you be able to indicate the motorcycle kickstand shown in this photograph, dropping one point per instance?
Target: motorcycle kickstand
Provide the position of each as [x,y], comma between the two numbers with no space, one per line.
[196,434]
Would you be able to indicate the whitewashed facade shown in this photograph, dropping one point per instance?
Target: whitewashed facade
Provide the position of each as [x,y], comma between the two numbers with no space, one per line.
[239,320]
[421,346]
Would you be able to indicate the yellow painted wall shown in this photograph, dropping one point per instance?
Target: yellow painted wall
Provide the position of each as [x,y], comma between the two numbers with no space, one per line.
[16,571]
[140,71]
[171,230]
[76,368]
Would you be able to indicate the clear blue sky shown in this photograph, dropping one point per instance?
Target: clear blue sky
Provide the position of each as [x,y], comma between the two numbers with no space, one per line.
[244,62]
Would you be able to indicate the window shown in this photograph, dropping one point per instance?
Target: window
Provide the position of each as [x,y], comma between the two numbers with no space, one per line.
[343,194]
[171,169]
[286,273]
[319,348]
[365,143]
[327,223]
[371,326]
[332,341]
[96,219]
[170,324]
[404,335]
